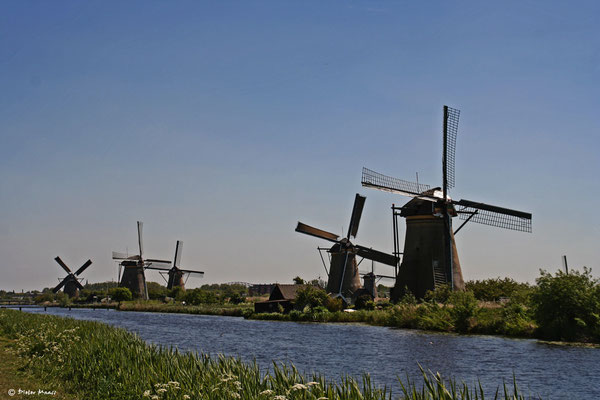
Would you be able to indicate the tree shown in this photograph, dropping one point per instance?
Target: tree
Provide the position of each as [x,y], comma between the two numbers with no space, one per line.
[156,290]
[121,294]
[567,306]
[364,302]
[177,293]
[310,296]
[494,289]
[236,298]
[298,281]
[200,296]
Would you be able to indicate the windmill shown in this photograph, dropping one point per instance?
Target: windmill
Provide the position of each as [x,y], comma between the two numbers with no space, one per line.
[71,282]
[175,273]
[344,279]
[133,266]
[430,257]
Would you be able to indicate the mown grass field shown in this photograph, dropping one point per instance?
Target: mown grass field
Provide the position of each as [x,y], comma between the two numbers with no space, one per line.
[95,361]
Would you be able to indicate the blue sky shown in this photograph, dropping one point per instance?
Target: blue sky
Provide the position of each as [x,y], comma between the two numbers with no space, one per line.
[224,123]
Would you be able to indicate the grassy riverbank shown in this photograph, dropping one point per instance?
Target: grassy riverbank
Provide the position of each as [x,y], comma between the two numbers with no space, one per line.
[480,319]
[95,361]
[227,310]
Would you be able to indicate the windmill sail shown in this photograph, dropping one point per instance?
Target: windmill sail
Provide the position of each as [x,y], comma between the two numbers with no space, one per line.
[309,230]
[359,203]
[495,216]
[376,255]
[386,183]
[451,117]
[83,267]
[62,264]
[140,226]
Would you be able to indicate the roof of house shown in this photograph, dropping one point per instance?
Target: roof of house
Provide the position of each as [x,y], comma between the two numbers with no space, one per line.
[285,291]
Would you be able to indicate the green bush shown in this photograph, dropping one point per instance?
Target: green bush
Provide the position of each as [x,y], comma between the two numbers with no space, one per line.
[156,291]
[495,289]
[431,316]
[44,297]
[200,296]
[236,298]
[120,294]
[567,306]
[364,302]
[463,310]
[310,296]
[516,319]
[440,294]
[334,304]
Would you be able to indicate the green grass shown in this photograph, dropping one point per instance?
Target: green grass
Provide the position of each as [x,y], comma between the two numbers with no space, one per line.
[97,361]
[509,321]
[228,310]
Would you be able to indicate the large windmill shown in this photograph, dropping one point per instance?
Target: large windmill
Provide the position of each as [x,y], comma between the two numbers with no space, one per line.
[175,273]
[430,257]
[133,266]
[71,282]
[344,279]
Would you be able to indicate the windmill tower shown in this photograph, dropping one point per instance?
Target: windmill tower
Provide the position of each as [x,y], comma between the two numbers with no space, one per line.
[175,273]
[133,276]
[430,257]
[344,279]
[71,282]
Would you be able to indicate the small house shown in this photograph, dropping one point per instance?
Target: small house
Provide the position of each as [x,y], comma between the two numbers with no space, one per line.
[282,295]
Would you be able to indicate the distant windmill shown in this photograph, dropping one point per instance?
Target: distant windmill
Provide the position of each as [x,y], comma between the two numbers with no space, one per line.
[430,257]
[133,276]
[71,282]
[175,273]
[344,279]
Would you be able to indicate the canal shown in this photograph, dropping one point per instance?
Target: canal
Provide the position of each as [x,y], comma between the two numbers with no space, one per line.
[541,369]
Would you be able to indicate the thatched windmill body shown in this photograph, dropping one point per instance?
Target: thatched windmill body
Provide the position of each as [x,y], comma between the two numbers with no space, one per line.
[71,281]
[430,257]
[344,279]
[175,273]
[133,276]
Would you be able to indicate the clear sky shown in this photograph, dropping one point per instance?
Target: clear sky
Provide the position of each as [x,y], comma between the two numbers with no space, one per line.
[224,123]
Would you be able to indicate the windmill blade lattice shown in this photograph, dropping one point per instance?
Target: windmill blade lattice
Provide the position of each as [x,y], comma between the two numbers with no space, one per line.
[451,118]
[386,183]
[494,216]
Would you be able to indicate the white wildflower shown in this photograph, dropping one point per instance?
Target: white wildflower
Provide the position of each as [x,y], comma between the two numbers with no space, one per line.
[280,397]
[155,397]
[174,383]
[312,383]
[299,386]
[161,390]
[186,397]
[147,393]
[266,392]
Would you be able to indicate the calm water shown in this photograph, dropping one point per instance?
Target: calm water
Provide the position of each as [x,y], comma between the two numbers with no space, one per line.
[553,372]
